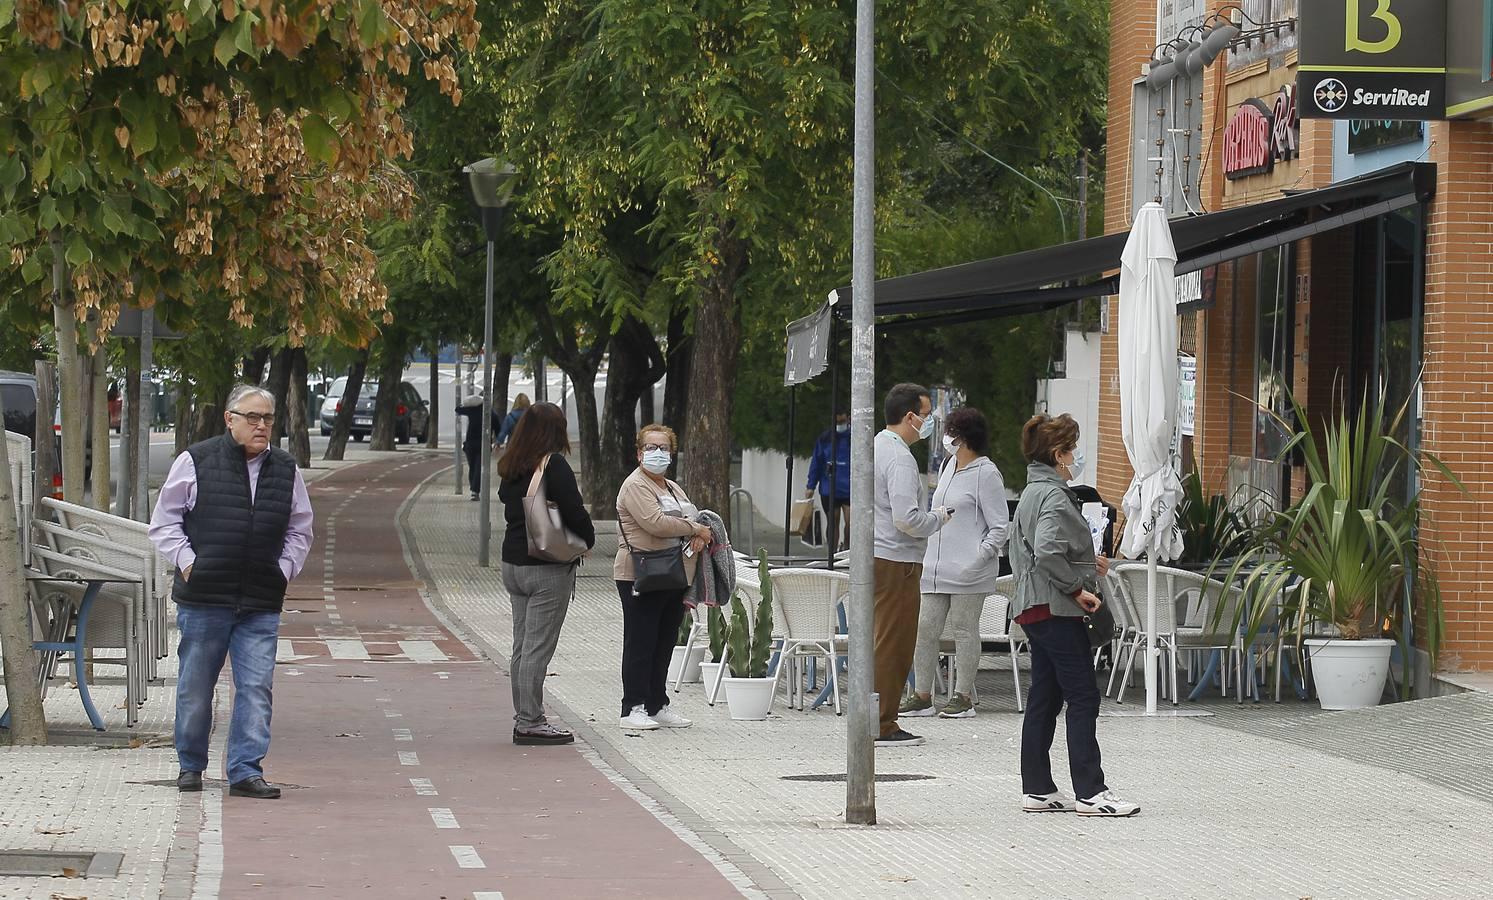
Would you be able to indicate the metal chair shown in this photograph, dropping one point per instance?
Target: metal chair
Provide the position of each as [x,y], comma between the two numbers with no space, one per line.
[1201,595]
[19,447]
[805,613]
[996,627]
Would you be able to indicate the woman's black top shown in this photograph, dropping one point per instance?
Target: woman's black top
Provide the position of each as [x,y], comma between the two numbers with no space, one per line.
[561,489]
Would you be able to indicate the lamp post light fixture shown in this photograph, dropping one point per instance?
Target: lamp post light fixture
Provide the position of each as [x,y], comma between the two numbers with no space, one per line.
[491,182]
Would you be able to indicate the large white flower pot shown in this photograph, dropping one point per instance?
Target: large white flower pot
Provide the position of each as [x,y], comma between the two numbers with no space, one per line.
[1349,674]
[691,665]
[749,699]
[708,674]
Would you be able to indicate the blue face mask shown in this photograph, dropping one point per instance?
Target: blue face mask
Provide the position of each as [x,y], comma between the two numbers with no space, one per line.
[657,461]
[925,430]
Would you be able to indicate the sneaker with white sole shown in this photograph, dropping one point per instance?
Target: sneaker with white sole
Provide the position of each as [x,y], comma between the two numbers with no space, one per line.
[959,707]
[899,738]
[916,706]
[1056,801]
[1107,804]
[639,720]
[667,718]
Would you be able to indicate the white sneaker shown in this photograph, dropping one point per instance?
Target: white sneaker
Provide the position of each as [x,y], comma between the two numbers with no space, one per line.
[1039,803]
[667,718]
[1106,804]
[639,720]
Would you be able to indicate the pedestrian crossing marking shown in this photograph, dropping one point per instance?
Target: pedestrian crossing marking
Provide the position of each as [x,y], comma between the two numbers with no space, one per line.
[347,649]
[467,858]
[423,651]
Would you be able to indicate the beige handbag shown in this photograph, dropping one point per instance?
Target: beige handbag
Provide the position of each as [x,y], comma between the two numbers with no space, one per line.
[548,537]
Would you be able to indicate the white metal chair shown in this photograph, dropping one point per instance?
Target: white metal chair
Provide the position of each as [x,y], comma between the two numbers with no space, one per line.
[805,613]
[750,590]
[134,535]
[996,627]
[1201,597]
[1124,649]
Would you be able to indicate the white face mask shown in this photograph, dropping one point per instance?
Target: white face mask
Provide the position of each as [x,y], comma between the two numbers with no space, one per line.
[950,445]
[657,461]
[925,430]
[1075,468]
[843,428]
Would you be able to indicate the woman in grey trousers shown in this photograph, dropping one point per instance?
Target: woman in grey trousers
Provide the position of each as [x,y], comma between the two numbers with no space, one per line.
[1057,574]
[539,590]
[961,564]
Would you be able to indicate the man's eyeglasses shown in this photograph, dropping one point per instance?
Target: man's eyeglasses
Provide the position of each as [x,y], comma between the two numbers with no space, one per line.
[255,419]
[648,447]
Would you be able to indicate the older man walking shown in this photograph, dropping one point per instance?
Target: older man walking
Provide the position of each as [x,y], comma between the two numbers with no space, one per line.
[235,520]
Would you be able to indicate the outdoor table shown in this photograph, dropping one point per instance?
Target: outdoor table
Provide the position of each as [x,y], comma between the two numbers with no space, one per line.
[1215,658]
[55,640]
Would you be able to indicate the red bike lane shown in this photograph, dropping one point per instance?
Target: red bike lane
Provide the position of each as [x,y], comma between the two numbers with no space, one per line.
[393,742]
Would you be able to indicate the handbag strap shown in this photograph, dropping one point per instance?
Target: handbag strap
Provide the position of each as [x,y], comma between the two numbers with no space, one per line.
[538,475]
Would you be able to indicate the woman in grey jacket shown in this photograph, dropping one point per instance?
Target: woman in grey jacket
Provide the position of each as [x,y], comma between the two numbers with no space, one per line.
[961,564]
[1057,572]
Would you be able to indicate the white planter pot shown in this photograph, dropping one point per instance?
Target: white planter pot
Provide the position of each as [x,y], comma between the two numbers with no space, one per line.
[691,665]
[708,672]
[1349,674]
[749,699]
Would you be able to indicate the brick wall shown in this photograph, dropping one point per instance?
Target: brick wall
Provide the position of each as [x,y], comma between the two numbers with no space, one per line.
[1458,406]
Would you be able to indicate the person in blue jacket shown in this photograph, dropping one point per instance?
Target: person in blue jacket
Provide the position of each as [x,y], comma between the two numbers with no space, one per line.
[520,403]
[833,447]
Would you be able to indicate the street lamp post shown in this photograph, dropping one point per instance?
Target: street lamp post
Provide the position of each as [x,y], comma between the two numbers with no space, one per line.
[492,184]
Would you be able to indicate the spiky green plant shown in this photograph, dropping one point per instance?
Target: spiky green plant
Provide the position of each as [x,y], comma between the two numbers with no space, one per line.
[1349,539]
[682,638]
[751,644]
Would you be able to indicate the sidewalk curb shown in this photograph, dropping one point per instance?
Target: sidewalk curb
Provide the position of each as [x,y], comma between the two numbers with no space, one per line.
[752,877]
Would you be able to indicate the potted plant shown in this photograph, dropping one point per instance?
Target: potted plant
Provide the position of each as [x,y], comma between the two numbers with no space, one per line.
[1344,557]
[685,656]
[748,688]
[715,623]
[1213,529]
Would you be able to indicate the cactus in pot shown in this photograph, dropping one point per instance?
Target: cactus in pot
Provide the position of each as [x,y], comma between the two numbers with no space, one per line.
[751,640]
[715,623]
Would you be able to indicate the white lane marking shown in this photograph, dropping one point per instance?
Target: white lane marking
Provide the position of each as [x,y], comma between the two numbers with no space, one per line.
[403,734]
[423,651]
[466,857]
[424,787]
[347,649]
[487,895]
[409,758]
[283,651]
[443,818]
[443,675]
[391,714]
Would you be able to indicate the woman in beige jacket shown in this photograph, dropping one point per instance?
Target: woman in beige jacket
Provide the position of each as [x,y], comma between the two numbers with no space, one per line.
[653,513]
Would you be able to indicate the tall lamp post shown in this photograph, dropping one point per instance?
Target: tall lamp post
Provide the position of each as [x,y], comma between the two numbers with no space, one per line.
[491,182]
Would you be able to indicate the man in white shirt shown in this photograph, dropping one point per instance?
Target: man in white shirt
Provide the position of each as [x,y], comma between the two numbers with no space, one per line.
[902,530]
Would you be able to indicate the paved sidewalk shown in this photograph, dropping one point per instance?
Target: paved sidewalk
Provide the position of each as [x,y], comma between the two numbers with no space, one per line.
[1259,801]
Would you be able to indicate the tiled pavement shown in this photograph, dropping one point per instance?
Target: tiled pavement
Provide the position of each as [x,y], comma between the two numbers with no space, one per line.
[1260,801]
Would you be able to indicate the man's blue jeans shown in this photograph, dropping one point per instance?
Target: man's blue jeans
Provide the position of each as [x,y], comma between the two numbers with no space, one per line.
[208,635]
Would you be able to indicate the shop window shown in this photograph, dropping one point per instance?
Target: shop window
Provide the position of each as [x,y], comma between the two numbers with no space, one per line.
[1274,311]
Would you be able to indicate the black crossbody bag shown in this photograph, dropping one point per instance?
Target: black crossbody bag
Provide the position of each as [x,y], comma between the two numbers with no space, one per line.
[656,570]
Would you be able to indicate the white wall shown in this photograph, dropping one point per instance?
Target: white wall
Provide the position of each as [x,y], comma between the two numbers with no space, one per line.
[764,475]
[1077,394]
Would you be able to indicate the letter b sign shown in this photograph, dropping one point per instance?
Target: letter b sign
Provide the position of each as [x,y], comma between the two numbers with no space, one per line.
[1381,13]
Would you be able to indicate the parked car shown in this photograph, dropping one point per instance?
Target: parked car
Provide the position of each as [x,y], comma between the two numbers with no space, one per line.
[18,391]
[412,413]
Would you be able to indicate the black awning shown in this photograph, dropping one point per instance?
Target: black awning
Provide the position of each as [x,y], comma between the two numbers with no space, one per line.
[1052,276]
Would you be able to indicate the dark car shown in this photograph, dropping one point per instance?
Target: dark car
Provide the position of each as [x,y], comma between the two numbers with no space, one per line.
[18,391]
[412,413]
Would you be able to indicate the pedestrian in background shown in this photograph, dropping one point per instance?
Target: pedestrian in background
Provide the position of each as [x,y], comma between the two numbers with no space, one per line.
[1057,576]
[471,445]
[510,421]
[539,590]
[903,524]
[829,472]
[961,565]
[653,513]
[235,520]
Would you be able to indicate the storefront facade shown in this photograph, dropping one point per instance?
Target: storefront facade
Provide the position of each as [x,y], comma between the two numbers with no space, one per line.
[1343,316]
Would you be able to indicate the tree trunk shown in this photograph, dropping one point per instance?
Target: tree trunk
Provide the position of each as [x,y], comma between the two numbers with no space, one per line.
[45,444]
[385,418]
[297,413]
[706,467]
[342,424]
[635,364]
[70,390]
[502,372]
[279,387]
[602,504]
[433,426]
[28,723]
[100,473]
[185,415]
[677,356]
[254,365]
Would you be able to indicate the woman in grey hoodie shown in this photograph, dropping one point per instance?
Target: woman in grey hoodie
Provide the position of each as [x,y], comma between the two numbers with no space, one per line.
[961,564]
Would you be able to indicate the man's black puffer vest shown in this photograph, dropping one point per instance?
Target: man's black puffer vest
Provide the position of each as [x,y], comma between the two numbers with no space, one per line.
[238,543]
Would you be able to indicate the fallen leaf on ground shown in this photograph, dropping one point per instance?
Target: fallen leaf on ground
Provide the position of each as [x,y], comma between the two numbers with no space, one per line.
[55,830]
[351,734]
[68,872]
[69,897]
